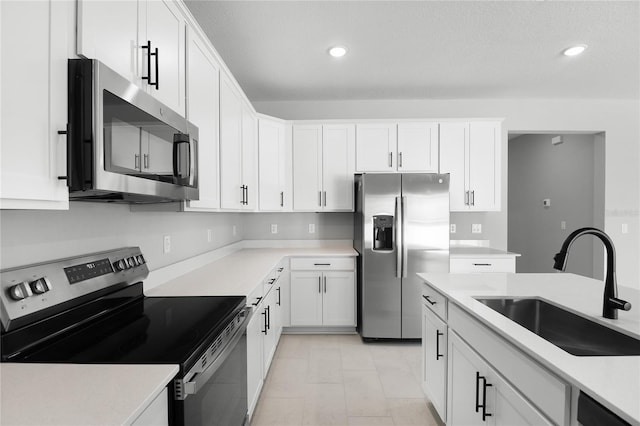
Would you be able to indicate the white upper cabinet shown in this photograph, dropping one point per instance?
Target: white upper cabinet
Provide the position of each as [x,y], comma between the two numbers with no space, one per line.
[238,150]
[232,194]
[376,146]
[470,152]
[250,157]
[162,27]
[203,109]
[403,147]
[417,147]
[272,164]
[143,41]
[35,47]
[97,38]
[323,167]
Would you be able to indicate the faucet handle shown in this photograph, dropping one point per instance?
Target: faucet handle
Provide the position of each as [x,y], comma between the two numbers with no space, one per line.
[619,304]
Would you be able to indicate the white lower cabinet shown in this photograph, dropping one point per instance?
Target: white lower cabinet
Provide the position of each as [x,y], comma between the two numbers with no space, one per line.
[322,297]
[254,360]
[434,357]
[479,395]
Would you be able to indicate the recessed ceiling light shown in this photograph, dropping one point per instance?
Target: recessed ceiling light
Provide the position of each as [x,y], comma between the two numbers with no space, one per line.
[575,50]
[338,51]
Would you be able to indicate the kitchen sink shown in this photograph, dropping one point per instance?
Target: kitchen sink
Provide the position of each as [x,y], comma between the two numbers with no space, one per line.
[568,331]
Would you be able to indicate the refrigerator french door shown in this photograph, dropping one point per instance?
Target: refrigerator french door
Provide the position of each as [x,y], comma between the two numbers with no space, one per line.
[401,228]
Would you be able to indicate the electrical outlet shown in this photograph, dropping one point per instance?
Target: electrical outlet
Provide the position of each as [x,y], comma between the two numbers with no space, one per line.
[208,235]
[274,228]
[476,228]
[453,228]
[166,247]
[625,228]
[563,224]
[233,230]
[312,228]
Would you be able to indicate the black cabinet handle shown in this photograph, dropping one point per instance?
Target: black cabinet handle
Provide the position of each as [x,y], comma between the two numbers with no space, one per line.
[268,308]
[157,55]
[149,55]
[279,301]
[257,302]
[265,321]
[280,269]
[319,284]
[432,302]
[481,264]
[321,264]
[281,199]
[485,385]
[438,354]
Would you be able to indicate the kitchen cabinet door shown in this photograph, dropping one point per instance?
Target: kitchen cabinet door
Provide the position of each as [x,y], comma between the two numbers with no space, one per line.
[466,388]
[163,25]
[254,360]
[306,298]
[338,167]
[307,168]
[231,190]
[338,298]
[484,165]
[418,147]
[434,360]
[34,47]
[203,110]
[376,147]
[270,324]
[250,157]
[454,141]
[271,165]
[108,31]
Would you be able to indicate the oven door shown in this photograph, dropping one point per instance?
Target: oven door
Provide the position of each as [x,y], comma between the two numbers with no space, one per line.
[218,395]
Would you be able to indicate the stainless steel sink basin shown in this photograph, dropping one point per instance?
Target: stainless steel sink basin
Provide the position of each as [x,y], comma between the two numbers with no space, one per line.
[570,332]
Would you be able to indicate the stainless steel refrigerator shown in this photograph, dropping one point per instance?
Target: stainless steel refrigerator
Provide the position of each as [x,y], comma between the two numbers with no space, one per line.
[401,228]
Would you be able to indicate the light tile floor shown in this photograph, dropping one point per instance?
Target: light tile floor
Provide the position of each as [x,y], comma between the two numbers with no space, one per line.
[340,380]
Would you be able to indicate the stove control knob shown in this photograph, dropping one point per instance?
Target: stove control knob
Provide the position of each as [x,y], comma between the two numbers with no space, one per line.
[120,265]
[140,259]
[41,285]
[133,261]
[20,291]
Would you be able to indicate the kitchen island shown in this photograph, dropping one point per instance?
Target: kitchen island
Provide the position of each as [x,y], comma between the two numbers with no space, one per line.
[613,381]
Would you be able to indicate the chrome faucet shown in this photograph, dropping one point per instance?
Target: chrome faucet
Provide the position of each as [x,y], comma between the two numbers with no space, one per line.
[611,303]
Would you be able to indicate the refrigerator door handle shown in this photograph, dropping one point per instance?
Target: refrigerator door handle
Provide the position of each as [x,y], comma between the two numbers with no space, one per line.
[398,236]
[405,253]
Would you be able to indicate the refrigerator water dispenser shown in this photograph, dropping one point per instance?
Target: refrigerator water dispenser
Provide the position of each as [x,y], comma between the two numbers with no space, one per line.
[383,233]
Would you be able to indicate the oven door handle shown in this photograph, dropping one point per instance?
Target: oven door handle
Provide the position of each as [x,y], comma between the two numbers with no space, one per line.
[195,384]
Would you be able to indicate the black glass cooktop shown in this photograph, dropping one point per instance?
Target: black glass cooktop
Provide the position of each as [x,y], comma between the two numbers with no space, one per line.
[151,330]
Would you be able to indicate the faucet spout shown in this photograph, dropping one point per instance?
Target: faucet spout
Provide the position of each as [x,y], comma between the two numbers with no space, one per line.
[611,304]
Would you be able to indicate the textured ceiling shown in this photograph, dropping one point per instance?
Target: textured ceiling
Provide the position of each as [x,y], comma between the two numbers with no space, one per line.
[277,50]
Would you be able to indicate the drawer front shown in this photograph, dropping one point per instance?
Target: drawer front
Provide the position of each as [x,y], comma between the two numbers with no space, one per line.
[322,263]
[256,296]
[483,265]
[546,391]
[436,302]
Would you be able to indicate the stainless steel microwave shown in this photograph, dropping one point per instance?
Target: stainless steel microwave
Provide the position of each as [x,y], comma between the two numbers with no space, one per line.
[123,145]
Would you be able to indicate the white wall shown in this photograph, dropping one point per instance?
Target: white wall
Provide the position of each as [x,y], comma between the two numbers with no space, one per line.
[618,119]
[295,226]
[37,236]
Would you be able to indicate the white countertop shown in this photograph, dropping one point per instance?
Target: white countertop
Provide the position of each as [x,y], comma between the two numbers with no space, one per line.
[612,380]
[239,273]
[461,252]
[73,394]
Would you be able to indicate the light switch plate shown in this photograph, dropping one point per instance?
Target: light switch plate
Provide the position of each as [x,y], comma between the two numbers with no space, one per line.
[274,228]
[453,228]
[312,228]
[166,244]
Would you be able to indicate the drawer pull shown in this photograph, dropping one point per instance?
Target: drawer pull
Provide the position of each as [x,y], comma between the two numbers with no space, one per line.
[485,385]
[482,264]
[438,354]
[257,302]
[432,302]
[321,264]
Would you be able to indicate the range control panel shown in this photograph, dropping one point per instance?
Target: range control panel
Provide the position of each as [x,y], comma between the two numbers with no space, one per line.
[29,289]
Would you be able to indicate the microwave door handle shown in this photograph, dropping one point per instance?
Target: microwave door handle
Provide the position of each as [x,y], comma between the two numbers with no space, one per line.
[178,140]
